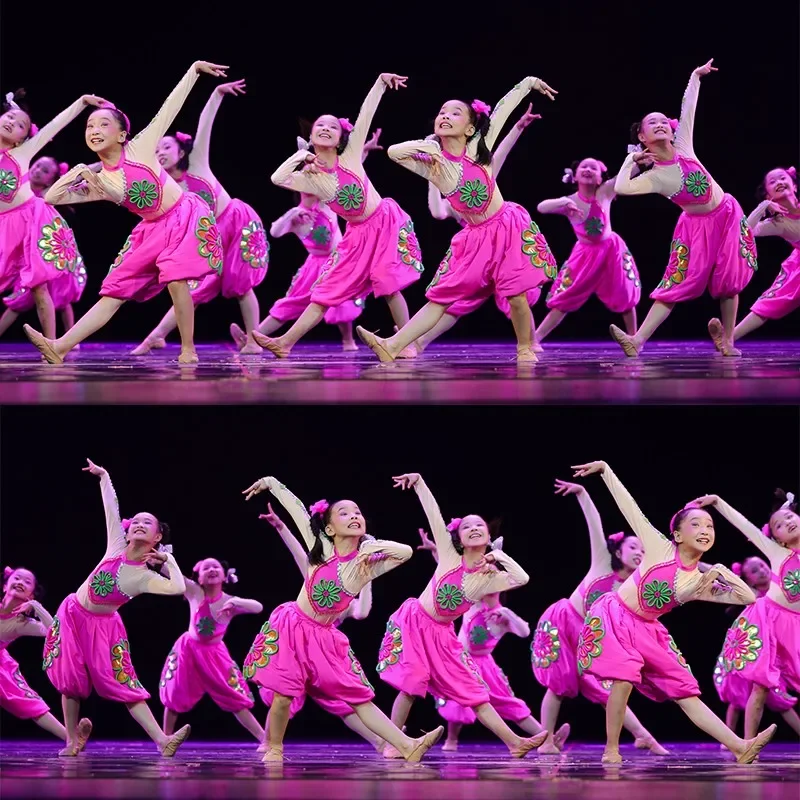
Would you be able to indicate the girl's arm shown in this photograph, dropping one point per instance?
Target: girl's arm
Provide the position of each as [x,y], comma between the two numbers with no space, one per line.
[85,190]
[240,605]
[644,183]
[358,136]
[297,511]
[422,156]
[516,624]
[115,535]
[30,147]
[730,589]
[156,583]
[557,205]
[201,147]
[505,107]
[505,147]
[362,605]
[284,224]
[299,553]
[438,206]
[513,577]
[288,176]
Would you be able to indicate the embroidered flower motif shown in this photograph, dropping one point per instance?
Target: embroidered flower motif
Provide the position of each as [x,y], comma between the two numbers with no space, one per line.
[122,665]
[237,682]
[102,583]
[57,245]
[747,244]
[444,268]
[546,645]
[681,659]
[562,282]
[719,671]
[321,235]
[142,194]
[326,593]
[589,647]
[8,183]
[676,266]
[791,582]
[469,663]
[594,226]
[125,248]
[592,599]
[656,594]
[776,286]
[210,246]
[607,684]
[264,647]
[535,246]
[697,183]
[350,197]
[473,193]
[170,668]
[449,597]
[357,669]
[22,685]
[629,266]
[391,647]
[479,635]
[208,197]
[52,643]
[408,247]
[742,645]
[254,245]
[206,626]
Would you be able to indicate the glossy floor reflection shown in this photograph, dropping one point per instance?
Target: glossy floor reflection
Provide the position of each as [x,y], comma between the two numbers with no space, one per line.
[346,771]
[574,372]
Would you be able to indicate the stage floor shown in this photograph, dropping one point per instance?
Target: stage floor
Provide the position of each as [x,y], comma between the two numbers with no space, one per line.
[343,771]
[458,373]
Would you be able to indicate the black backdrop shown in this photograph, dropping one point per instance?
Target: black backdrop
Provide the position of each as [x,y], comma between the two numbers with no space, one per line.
[611,62]
[188,466]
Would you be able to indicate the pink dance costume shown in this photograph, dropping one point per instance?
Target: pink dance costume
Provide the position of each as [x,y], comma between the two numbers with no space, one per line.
[420,652]
[622,638]
[300,651]
[320,240]
[600,262]
[36,244]
[65,290]
[783,296]
[87,646]
[712,247]
[16,696]
[379,252]
[199,662]
[177,238]
[500,251]
[479,637]
[763,645]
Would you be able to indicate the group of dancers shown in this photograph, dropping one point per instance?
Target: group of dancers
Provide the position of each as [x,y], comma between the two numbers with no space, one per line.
[602,641]
[200,242]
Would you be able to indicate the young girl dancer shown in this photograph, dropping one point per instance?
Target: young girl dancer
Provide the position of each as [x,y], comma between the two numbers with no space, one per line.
[780,191]
[600,262]
[199,661]
[358,609]
[712,247]
[244,241]
[441,209]
[177,239]
[317,227]
[622,638]
[732,688]
[763,645]
[421,652]
[36,244]
[300,650]
[87,645]
[22,615]
[554,649]
[482,627]
[379,252]
[501,250]
[67,288]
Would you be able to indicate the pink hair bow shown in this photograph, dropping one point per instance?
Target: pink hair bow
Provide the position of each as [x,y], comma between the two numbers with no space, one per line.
[617,537]
[454,524]
[196,567]
[63,168]
[346,124]
[736,568]
[792,173]
[183,137]
[126,523]
[8,572]
[34,129]
[603,167]
[673,123]
[320,507]
[479,107]
[765,531]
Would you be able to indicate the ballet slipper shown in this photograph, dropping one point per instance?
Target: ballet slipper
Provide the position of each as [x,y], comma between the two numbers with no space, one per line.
[624,341]
[84,732]
[526,355]
[611,757]
[549,749]
[175,741]
[262,748]
[649,743]
[526,745]
[560,736]
[274,753]
[70,751]
[251,349]
[537,347]
[450,747]
[188,357]
[278,350]
[238,335]
[408,352]
[729,351]
[377,345]
[44,346]
[755,746]
[716,332]
[391,752]
[349,347]
[424,744]
[150,343]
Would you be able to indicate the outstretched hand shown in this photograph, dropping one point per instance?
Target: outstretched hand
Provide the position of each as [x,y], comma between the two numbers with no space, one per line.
[582,470]
[706,68]
[427,542]
[527,118]
[564,488]
[217,70]
[546,90]
[372,142]
[407,481]
[644,158]
[272,517]
[234,87]
[570,208]
[393,81]
[94,469]
[258,487]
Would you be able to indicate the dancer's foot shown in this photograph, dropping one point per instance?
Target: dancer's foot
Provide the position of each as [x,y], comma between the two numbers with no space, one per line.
[717,333]
[424,744]
[175,741]
[624,341]
[611,757]
[391,752]
[45,346]
[549,749]
[251,349]
[729,351]
[537,347]
[188,357]
[525,354]
[524,746]
[84,732]
[408,352]
[450,746]
[274,753]
[238,335]
[262,748]
[560,736]
[150,343]
[275,346]
[379,746]
[755,746]
[376,344]
[649,743]
[70,751]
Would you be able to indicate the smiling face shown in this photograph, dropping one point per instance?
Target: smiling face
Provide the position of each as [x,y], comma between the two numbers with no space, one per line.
[326,132]
[15,126]
[696,530]
[144,529]
[43,172]
[474,532]
[103,131]
[454,120]
[169,152]
[655,128]
[778,185]
[630,552]
[20,585]
[784,525]
[346,520]
[210,573]
[589,172]
[756,573]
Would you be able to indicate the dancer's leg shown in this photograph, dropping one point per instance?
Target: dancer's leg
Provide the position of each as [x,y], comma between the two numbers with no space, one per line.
[184,315]
[71,706]
[398,308]
[46,310]
[277,721]
[521,319]
[629,320]
[250,723]
[156,339]
[282,346]
[728,308]
[422,322]
[615,716]
[632,345]
[401,708]
[792,719]
[357,726]
[732,715]
[50,724]
[94,319]
[553,319]
[380,724]
[642,738]
[68,317]
[7,320]
[516,744]
[754,710]
[451,743]
[551,705]
[141,712]
[346,330]
[442,326]
[248,305]
[170,721]
[750,323]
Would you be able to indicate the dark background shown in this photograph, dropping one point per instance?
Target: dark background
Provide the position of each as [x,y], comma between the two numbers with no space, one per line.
[611,62]
[188,466]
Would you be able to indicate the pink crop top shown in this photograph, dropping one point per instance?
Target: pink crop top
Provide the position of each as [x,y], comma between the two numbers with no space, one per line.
[656,588]
[202,187]
[11,178]
[324,588]
[104,582]
[351,194]
[475,186]
[696,183]
[205,627]
[481,640]
[319,240]
[788,580]
[449,596]
[143,188]
[594,590]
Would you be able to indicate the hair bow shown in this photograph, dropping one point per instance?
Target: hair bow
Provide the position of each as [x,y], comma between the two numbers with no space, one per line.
[10,101]
[617,537]
[479,107]
[196,567]
[346,124]
[63,168]
[183,138]
[634,148]
[603,167]
[8,572]
[165,548]
[673,123]
[454,524]
[497,544]
[792,173]
[126,523]
[302,144]
[569,176]
[320,507]
[789,500]
[231,576]
[124,115]
[736,568]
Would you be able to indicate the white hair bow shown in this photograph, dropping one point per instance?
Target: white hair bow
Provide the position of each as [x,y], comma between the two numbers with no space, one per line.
[634,148]
[165,548]
[789,500]
[232,577]
[302,144]
[10,100]
[497,544]
[569,176]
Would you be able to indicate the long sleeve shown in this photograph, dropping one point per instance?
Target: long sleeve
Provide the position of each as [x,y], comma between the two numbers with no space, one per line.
[299,553]
[375,557]
[556,205]
[503,149]
[740,593]
[597,539]
[34,627]
[644,183]
[115,541]
[606,189]
[44,617]
[362,605]
[516,624]
[422,156]
[757,214]
[202,141]
[685,134]
[282,225]
[29,148]
[358,136]
[59,194]
[448,555]
[505,107]
[288,176]
[297,511]
[245,606]
[775,552]
[479,584]
[155,583]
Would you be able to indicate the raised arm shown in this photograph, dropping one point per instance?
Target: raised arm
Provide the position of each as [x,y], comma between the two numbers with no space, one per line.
[643,183]
[241,605]
[299,553]
[284,224]
[380,555]
[684,135]
[115,541]
[30,147]
[34,627]
[504,148]
[358,136]
[505,107]
[597,539]
[157,583]
[62,192]
[297,511]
